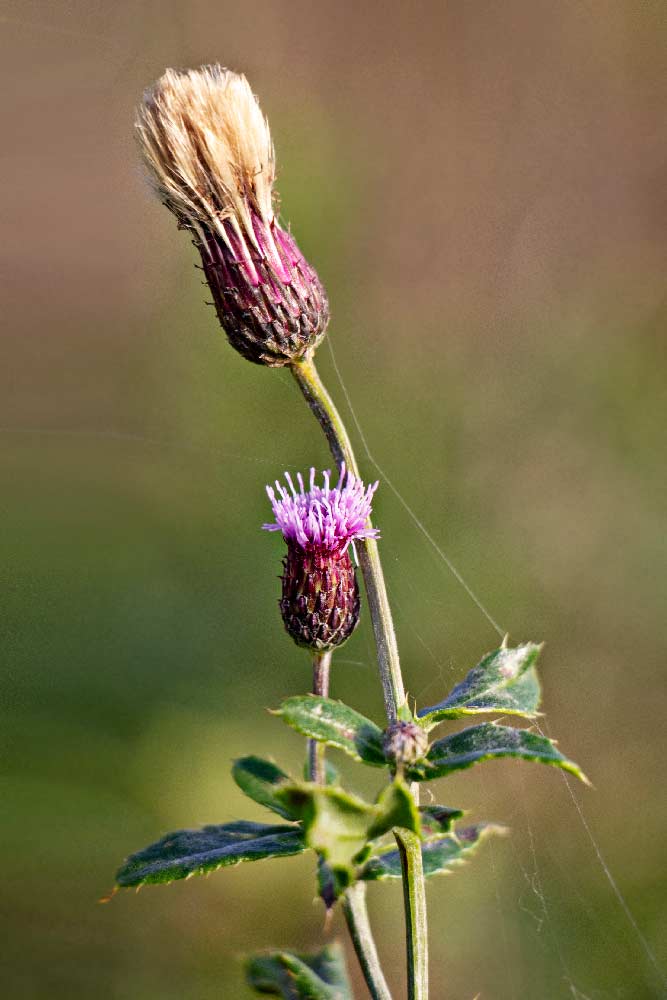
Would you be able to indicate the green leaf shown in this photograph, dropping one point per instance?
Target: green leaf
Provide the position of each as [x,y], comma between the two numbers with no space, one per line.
[259,779]
[436,820]
[339,826]
[395,807]
[337,725]
[439,854]
[504,681]
[485,742]
[301,977]
[196,852]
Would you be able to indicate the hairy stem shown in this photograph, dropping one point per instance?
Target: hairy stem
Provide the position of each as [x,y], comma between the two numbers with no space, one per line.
[316,751]
[414,889]
[323,407]
[356,915]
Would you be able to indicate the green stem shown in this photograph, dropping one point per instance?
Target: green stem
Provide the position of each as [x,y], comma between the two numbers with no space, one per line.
[316,751]
[410,850]
[354,907]
[409,845]
[356,915]
[330,421]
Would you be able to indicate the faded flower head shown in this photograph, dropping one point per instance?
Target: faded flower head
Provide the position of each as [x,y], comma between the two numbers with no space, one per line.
[209,153]
[320,595]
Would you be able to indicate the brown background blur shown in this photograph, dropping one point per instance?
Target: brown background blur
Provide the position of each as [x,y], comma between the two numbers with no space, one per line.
[481,187]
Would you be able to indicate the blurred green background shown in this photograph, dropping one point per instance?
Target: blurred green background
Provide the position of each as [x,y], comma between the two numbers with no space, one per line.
[481,187]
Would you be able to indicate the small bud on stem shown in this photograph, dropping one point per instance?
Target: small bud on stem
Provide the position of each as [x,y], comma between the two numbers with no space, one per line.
[404,743]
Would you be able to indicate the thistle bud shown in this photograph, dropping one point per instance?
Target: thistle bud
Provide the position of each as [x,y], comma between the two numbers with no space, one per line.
[404,743]
[209,153]
[320,594]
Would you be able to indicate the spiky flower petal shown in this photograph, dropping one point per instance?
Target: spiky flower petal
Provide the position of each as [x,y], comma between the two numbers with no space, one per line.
[210,156]
[322,517]
[320,595]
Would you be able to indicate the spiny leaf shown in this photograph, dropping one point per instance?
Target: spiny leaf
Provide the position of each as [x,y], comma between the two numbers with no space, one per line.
[196,852]
[439,854]
[395,807]
[339,826]
[301,977]
[259,779]
[485,742]
[436,820]
[335,724]
[504,681]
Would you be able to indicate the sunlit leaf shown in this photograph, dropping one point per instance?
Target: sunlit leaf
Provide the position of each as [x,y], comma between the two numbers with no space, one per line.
[339,826]
[196,852]
[439,854]
[504,681]
[485,742]
[301,977]
[335,724]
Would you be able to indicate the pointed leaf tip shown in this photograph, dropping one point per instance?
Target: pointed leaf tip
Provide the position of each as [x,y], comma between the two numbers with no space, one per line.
[485,742]
[185,853]
[504,681]
[440,855]
[340,826]
[337,725]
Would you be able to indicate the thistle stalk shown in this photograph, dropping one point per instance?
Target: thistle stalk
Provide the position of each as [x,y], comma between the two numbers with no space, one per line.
[330,421]
[356,915]
[354,900]
[414,887]
[416,927]
[316,751]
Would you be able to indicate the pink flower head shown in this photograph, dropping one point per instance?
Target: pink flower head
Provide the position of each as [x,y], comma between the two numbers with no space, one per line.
[325,518]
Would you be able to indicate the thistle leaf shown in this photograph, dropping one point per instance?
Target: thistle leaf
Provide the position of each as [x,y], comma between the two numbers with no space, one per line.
[504,681]
[439,854]
[436,820]
[339,826]
[259,779]
[337,725]
[484,742]
[301,977]
[196,852]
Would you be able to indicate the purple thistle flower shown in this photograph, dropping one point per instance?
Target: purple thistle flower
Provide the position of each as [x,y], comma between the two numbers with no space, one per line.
[320,595]
[323,518]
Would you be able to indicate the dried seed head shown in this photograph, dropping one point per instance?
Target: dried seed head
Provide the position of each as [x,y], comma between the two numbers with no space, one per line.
[209,153]
[320,595]
[404,742]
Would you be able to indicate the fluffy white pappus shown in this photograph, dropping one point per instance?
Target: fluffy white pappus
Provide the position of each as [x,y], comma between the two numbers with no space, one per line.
[208,148]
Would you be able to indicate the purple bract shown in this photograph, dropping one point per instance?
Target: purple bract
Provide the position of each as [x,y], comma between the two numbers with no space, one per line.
[325,518]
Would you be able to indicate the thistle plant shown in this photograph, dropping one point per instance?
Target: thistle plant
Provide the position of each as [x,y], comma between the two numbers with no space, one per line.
[210,157]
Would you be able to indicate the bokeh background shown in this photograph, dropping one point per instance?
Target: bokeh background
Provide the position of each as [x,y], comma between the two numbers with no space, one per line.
[481,187]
